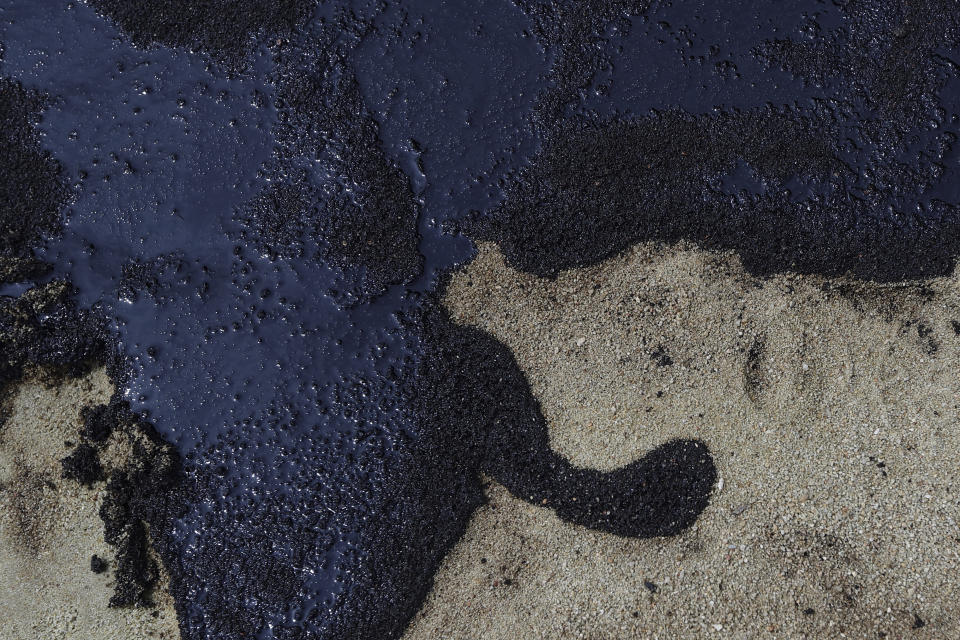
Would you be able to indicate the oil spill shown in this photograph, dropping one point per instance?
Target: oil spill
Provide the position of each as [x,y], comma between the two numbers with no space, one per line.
[32,193]
[223,28]
[258,230]
[809,142]
[44,328]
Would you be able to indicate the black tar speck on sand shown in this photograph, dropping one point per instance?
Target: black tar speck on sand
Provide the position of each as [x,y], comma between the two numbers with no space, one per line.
[245,210]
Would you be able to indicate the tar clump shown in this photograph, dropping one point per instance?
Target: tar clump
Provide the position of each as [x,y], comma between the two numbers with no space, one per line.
[851,184]
[573,29]
[98,422]
[484,403]
[31,191]
[98,564]
[355,208]
[83,465]
[44,328]
[139,493]
[667,177]
[222,27]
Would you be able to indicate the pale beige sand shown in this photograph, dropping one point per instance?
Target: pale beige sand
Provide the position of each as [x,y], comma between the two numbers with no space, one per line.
[49,527]
[805,519]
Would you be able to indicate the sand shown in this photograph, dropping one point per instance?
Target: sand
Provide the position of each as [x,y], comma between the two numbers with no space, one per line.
[50,527]
[831,408]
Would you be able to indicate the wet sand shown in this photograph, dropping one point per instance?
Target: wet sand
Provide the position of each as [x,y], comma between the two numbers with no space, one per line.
[831,408]
[50,527]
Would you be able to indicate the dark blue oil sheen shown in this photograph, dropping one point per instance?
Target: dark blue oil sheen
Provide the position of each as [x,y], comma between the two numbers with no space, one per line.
[163,146]
[242,361]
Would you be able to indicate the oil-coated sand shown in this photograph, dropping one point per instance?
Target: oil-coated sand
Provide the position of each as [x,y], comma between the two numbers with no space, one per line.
[50,527]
